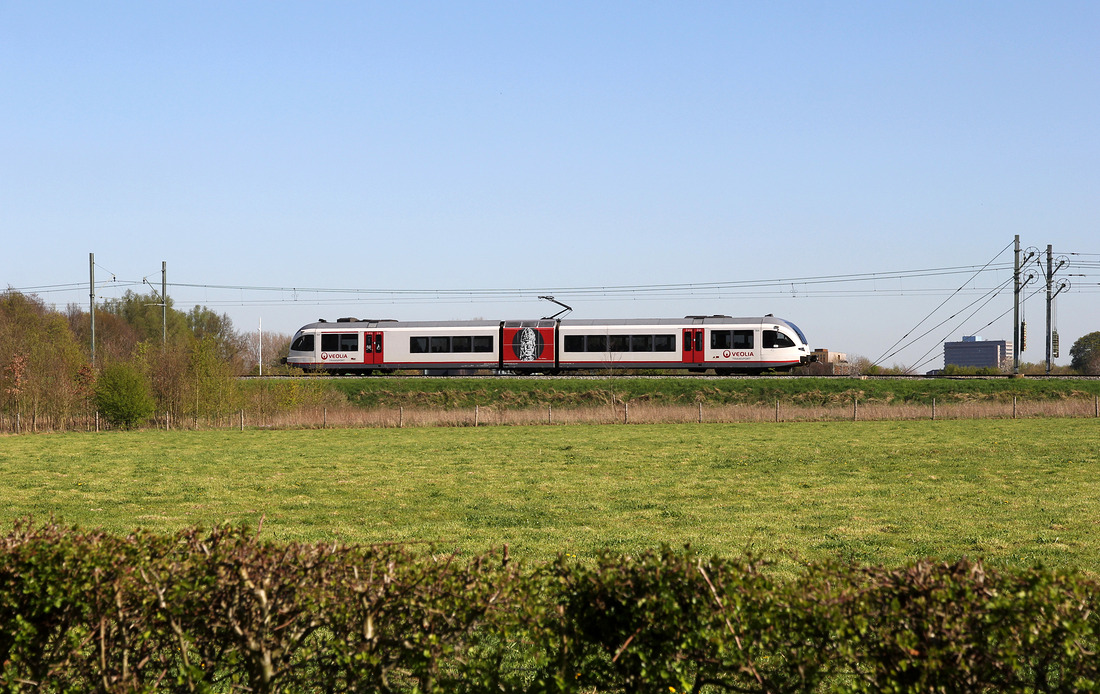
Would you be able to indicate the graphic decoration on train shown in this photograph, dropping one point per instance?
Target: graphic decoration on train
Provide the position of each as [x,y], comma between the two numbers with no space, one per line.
[528,344]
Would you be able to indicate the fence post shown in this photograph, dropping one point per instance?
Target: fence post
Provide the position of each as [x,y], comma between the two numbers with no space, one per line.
[933,409]
[700,413]
[324,418]
[400,417]
[855,409]
[1014,407]
[626,413]
[242,420]
[549,414]
[777,409]
[1096,406]
[475,415]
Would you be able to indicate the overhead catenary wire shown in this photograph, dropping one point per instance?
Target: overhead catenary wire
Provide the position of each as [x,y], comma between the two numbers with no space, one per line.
[963,322]
[995,319]
[988,297]
[884,355]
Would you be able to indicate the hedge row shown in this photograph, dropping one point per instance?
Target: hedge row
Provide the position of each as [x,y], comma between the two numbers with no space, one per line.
[224,611]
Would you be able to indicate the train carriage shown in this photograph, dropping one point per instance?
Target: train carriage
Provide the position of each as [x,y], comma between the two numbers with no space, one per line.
[695,343]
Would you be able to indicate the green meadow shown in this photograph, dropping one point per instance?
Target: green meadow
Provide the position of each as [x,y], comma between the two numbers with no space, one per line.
[1013,492]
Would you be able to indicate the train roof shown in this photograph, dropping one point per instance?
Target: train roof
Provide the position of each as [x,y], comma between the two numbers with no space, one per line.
[371,324]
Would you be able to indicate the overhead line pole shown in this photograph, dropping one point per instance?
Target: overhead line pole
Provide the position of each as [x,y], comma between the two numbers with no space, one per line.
[1050,283]
[91,294]
[1016,311]
[164,302]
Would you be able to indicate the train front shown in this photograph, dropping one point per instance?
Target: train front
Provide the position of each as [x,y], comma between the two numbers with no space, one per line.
[303,349]
[784,344]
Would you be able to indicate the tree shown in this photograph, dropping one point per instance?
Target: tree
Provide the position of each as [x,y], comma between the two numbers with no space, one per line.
[1085,353]
[39,360]
[217,329]
[145,315]
[122,395]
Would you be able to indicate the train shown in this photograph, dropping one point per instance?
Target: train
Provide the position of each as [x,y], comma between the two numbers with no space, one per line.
[724,344]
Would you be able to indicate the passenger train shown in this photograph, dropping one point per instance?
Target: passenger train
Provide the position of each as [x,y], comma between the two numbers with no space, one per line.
[549,345]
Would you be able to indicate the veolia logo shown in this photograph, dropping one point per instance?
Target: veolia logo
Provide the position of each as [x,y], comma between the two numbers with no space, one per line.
[527,344]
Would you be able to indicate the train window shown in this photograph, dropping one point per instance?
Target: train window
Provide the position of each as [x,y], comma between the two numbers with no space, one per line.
[483,343]
[461,343]
[596,343]
[418,345]
[641,343]
[721,339]
[439,345]
[618,343]
[664,343]
[776,339]
[742,339]
[573,343]
[304,343]
[339,342]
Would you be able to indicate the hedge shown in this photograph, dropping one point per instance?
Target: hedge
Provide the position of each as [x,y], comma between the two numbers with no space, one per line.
[225,611]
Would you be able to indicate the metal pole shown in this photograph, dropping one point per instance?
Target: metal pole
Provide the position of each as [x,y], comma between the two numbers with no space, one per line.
[1016,311]
[163,302]
[1050,282]
[91,293]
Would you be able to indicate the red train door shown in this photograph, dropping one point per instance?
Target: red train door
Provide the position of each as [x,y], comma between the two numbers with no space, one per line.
[372,348]
[693,345]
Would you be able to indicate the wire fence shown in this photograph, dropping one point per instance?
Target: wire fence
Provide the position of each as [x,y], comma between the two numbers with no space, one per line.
[548,415]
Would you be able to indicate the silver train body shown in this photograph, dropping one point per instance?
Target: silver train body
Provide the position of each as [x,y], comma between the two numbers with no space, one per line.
[695,343]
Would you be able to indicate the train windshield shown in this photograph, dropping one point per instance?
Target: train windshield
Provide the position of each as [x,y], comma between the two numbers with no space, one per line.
[303,343]
[797,330]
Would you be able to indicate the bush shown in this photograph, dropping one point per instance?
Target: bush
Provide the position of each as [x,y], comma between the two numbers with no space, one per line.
[224,611]
[123,395]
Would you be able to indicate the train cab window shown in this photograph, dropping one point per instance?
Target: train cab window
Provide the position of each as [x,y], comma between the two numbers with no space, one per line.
[339,342]
[641,343]
[418,345]
[773,339]
[438,345]
[461,343]
[483,343]
[664,343]
[596,343]
[304,343]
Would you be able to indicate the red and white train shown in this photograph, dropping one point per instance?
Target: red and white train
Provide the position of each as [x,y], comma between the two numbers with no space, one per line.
[696,343]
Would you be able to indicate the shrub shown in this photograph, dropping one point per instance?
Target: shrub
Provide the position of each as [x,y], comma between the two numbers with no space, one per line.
[123,395]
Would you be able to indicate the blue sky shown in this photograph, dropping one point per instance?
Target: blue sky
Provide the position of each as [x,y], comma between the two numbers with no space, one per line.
[532,148]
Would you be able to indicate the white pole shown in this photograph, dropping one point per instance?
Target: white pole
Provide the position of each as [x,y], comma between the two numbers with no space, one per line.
[261,346]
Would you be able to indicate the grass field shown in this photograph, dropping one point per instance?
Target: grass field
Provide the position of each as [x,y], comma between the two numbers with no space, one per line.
[1013,492]
[814,392]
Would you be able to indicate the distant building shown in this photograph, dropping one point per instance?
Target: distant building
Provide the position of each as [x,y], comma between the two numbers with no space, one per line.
[977,352]
[826,363]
